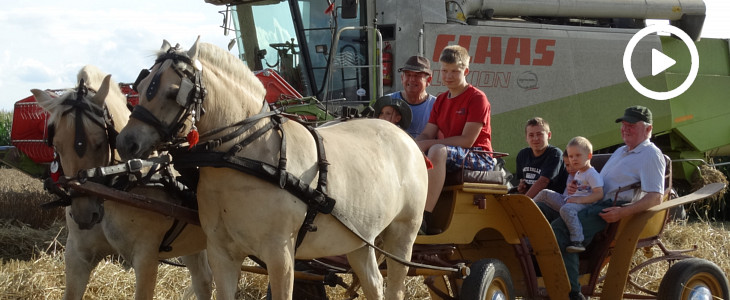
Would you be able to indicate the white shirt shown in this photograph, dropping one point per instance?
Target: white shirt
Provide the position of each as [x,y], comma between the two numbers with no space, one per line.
[644,164]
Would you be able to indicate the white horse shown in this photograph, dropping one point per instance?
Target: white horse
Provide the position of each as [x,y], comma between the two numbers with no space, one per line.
[133,233]
[376,174]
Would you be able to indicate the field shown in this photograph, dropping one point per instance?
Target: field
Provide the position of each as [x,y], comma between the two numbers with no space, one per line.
[32,263]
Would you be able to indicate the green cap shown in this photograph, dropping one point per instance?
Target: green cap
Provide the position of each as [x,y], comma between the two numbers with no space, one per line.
[635,114]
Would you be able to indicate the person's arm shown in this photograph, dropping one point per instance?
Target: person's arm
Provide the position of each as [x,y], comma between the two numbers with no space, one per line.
[616,213]
[427,137]
[465,140]
[540,184]
[596,195]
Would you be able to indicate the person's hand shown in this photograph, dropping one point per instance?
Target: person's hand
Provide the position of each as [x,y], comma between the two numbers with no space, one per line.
[611,214]
[571,200]
[522,187]
[423,146]
[572,187]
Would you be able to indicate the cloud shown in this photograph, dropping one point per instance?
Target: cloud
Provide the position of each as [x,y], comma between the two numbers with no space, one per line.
[46,42]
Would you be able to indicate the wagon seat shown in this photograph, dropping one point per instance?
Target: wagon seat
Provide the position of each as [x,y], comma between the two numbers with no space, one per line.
[598,251]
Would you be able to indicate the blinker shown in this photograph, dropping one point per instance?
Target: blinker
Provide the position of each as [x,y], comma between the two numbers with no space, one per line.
[142,75]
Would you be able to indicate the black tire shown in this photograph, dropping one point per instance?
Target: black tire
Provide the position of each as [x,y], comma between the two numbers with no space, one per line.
[489,279]
[305,290]
[692,278]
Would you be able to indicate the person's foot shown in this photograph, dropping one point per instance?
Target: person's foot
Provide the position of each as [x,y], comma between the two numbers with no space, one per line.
[425,228]
[575,295]
[575,247]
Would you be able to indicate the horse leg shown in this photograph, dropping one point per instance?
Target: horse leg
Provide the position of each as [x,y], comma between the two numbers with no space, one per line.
[200,274]
[280,266]
[145,266]
[83,252]
[365,265]
[226,270]
[398,242]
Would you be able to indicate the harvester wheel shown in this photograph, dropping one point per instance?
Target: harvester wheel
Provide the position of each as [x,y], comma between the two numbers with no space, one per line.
[489,279]
[694,278]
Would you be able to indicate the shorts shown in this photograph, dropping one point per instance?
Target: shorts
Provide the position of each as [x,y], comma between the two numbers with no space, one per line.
[457,156]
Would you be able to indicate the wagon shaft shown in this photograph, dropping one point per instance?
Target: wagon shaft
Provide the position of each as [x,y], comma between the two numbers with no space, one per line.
[139,201]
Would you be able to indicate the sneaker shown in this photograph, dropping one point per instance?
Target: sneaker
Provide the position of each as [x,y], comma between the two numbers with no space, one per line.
[575,247]
[424,227]
[574,295]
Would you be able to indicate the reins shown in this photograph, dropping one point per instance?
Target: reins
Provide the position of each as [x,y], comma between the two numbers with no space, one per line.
[203,155]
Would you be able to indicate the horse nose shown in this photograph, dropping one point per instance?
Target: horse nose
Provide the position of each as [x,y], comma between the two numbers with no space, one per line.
[127,147]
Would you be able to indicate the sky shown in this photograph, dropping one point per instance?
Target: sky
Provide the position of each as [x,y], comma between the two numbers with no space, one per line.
[45,43]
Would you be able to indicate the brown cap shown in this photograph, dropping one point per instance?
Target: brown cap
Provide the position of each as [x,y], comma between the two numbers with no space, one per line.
[417,64]
[635,114]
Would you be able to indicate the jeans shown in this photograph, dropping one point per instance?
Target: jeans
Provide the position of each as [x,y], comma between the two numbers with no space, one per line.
[592,224]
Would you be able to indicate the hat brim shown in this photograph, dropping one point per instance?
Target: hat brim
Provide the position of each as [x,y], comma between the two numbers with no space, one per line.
[629,119]
[415,70]
[399,104]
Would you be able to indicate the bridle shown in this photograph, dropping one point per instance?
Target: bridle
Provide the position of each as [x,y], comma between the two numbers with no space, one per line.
[190,96]
[100,117]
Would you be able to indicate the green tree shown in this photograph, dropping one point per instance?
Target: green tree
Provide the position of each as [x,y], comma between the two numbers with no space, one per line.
[6,119]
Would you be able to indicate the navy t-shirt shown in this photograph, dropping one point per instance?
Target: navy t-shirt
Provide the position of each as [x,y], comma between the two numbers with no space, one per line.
[549,164]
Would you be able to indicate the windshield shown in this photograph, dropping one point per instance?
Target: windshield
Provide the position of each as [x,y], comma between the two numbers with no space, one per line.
[269,37]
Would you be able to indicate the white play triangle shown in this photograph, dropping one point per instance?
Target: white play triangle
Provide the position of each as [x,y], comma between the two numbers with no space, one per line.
[660,62]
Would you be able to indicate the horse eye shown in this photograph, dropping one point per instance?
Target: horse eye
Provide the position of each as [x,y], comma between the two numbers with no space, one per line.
[172,93]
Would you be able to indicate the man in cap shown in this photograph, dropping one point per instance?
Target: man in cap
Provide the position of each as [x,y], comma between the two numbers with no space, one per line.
[415,77]
[638,161]
[393,110]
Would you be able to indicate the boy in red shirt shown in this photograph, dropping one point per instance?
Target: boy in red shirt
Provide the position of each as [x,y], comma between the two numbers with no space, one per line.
[462,116]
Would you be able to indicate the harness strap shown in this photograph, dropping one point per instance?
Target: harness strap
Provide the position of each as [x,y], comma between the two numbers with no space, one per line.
[633,186]
[172,234]
[322,203]
[244,126]
[308,224]
[144,115]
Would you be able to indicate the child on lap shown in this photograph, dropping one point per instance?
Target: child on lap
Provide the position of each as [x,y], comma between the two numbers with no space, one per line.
[590,190]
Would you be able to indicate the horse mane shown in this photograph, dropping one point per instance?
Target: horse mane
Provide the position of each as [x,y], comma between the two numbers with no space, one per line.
[116,101]
[227,68]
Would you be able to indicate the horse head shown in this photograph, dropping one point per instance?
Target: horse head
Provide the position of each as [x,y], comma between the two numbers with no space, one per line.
[84,132]
[174,95]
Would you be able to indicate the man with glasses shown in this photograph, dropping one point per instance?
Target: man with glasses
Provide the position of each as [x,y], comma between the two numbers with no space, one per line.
[415,77]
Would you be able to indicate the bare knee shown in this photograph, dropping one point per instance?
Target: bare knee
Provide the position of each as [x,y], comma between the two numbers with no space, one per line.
[437,154]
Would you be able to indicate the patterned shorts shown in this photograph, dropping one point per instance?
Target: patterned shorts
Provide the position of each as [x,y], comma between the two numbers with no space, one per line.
[456,156]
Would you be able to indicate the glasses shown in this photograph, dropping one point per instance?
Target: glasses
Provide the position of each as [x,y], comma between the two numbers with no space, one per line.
[416,75]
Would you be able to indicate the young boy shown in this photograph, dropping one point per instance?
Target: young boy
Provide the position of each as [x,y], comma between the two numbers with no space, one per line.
[462,115]
[393,110]
[540,164]
[590,190]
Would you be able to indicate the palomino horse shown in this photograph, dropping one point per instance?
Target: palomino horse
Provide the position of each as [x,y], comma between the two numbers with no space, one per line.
[133,233]
[377,175]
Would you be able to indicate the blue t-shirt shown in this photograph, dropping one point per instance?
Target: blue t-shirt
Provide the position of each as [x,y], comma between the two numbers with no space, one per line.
[420,113]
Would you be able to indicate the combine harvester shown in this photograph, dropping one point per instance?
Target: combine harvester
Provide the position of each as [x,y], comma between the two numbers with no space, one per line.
[560,60]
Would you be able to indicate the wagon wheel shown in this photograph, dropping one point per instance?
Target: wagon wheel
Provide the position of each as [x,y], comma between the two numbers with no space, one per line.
[489,279]
[694,278]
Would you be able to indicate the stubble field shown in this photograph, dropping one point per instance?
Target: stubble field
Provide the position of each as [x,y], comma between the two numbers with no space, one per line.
[32,263]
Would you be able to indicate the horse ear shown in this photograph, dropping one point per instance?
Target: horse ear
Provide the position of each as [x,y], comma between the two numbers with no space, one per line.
[100,96]
[193,52]
[43,98]
[165,46]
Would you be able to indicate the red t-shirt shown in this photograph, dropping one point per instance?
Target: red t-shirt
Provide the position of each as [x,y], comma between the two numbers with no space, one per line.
[451,115]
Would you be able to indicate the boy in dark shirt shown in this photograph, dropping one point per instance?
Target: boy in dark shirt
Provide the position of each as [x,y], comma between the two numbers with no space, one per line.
[539,165]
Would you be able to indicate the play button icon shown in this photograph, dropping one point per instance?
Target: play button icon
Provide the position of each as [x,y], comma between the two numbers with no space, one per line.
[660,62]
